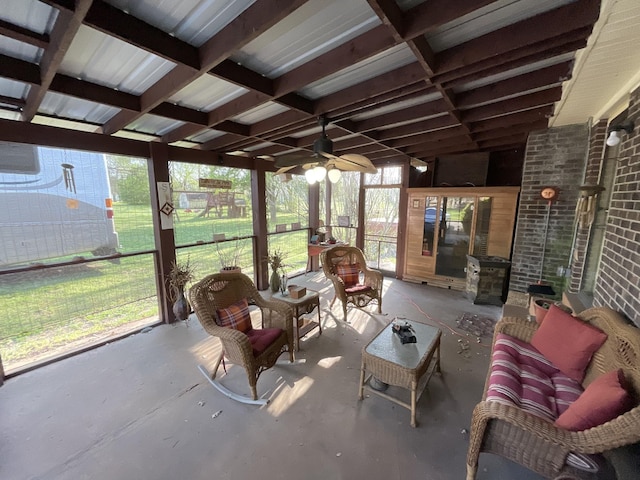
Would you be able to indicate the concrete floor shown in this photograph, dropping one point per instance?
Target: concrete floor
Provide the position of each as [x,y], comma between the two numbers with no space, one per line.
[139,408]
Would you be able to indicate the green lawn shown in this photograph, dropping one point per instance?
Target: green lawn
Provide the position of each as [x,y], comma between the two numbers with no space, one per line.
[45,309]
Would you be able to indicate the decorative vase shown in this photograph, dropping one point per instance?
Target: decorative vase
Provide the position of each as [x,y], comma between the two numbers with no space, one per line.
[181,307]
[283,284]
[274,282]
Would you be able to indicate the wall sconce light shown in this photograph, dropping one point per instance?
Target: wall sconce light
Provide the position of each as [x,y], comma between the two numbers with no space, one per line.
[614,132]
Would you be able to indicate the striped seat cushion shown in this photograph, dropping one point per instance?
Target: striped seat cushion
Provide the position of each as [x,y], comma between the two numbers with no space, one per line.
[522,376]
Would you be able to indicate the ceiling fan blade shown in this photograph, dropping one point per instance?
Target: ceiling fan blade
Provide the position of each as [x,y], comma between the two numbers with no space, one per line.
[284,170]
[294,159]
[354,162]
[305,166]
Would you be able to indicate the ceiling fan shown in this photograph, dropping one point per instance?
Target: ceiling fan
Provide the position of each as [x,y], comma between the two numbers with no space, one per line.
[323,157]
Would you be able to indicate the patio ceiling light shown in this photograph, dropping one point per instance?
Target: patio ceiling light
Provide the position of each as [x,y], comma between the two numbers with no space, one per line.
[614,135]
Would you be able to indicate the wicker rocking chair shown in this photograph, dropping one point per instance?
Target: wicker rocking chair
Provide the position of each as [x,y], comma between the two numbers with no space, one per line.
[256,349]
[354,283]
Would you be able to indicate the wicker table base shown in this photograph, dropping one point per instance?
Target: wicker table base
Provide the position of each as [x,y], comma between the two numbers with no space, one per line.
[408,366]
[302,306]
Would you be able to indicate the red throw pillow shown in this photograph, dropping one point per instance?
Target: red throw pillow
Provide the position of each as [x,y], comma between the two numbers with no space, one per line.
[603,400]
[567,342]
[349,273]
[235,316]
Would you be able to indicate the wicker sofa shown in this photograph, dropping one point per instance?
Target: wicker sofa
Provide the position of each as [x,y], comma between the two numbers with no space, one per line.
[537,443]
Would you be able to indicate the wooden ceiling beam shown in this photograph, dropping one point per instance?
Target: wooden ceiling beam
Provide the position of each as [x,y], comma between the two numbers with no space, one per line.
[407,92]
[518,139]
[558,21]
[431,124]
[429,15]
[568,43]
[243,29]
[459,147]
[387,82]
[94,93]
[433,136]
[246,27]
[24,35]
[221,142]
[437,144]
[525,102]
[19,70]
[407,114]
[62,34]
[276,122]
[391,15]
[527,116]
[518,85]
[509,131]
[116,23]
[360,48]
[16,102]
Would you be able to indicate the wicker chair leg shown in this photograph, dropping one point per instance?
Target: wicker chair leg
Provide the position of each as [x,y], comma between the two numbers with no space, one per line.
[254,392]
[478,427]
[344,311]
[471,471]
[379,305]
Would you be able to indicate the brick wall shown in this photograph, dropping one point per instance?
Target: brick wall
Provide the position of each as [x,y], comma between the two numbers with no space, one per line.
[598,137]
[619,273]
[554,157]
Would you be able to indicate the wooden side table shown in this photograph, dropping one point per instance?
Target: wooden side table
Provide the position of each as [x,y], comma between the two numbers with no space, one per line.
[302,306]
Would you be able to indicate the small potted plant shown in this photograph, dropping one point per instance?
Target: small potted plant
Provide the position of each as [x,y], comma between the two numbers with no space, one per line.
[543,305]
[180,274]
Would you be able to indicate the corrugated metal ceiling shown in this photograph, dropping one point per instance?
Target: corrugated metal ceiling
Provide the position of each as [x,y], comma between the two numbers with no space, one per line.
[299,50]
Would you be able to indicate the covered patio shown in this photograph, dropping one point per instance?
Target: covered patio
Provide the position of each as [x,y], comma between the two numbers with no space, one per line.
[139,408]
[476,94]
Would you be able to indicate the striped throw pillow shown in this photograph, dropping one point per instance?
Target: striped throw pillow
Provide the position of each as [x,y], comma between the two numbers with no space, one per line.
[235,316]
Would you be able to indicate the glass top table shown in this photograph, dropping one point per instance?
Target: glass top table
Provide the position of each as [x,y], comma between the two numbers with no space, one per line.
[408,365]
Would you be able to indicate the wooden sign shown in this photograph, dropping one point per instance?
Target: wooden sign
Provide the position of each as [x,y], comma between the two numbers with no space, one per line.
[214,183]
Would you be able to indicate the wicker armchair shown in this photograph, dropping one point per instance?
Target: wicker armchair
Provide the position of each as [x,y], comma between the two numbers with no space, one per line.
[219,291]
[361,291]
[539,445]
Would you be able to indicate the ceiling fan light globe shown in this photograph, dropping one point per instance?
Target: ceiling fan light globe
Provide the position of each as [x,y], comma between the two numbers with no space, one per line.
[320,172]
[334,175]
[614,139]
[310,175]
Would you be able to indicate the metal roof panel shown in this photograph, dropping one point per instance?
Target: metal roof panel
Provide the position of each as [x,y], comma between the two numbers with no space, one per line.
[206,93]
[13,88]
[154,124]
[192,21]
[76,109]
[22,51]
[259,113]
[30,14]
[313,29]
[384,62]
[109,61]
[488,19]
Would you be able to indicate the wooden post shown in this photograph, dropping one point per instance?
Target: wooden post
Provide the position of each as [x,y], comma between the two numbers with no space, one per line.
[259,204]
[164,239]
